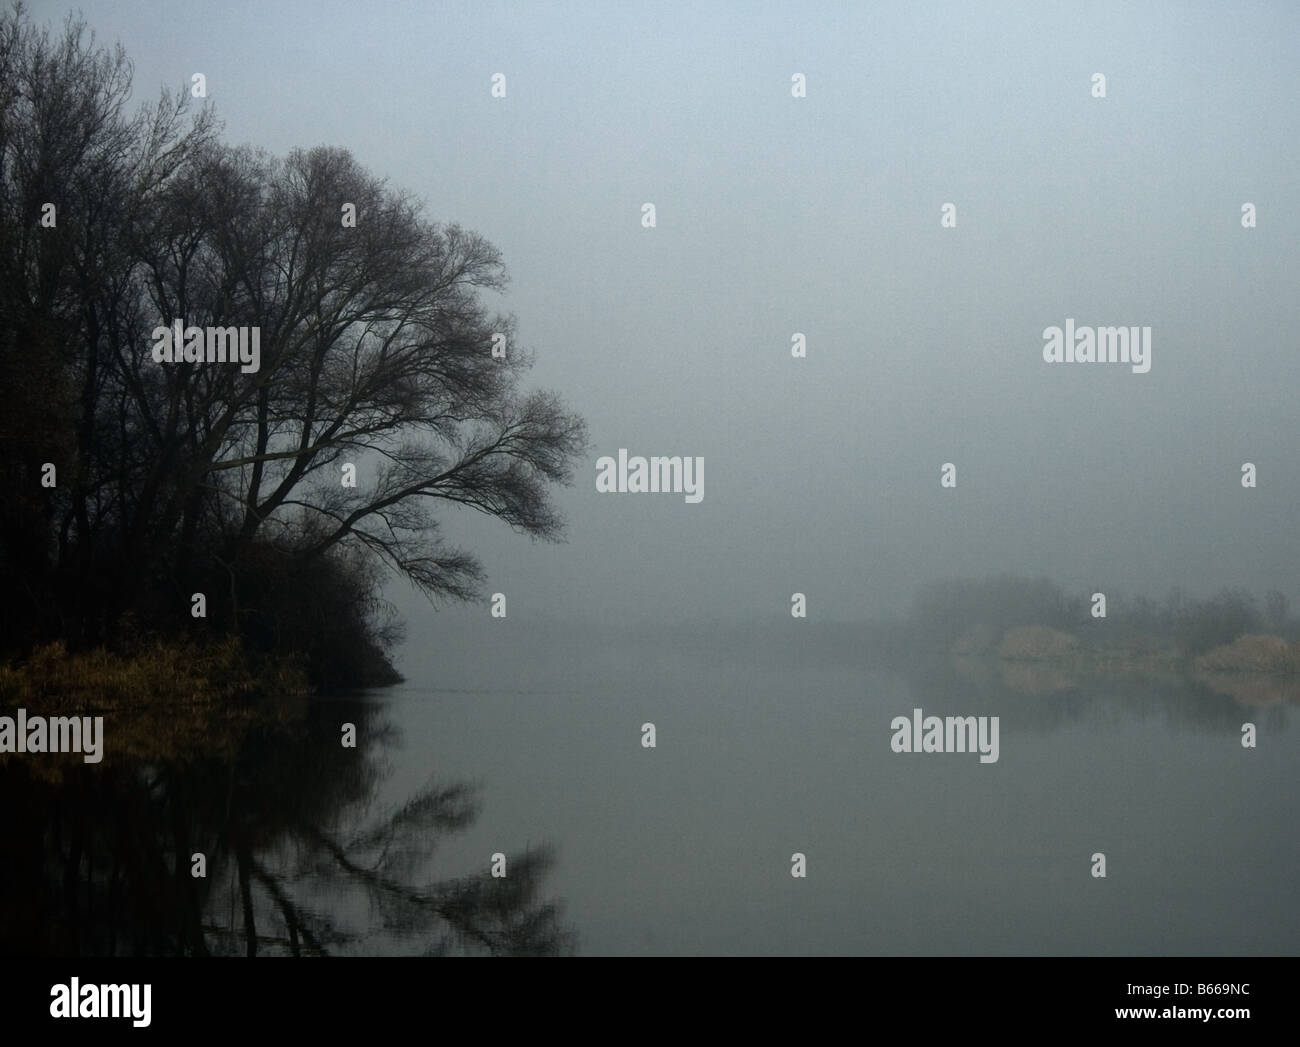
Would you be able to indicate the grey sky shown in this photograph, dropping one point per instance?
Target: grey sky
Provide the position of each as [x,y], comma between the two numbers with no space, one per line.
[821,215]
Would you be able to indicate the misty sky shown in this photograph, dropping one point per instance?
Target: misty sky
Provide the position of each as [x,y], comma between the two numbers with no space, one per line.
[822,215]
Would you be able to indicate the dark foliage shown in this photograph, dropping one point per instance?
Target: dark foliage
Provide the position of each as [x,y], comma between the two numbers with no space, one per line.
[183,477]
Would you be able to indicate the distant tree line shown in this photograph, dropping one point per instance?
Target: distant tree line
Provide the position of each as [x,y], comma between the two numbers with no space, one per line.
[944,610]
[130,484]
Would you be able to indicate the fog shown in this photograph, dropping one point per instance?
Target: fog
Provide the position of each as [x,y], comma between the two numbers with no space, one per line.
[821,215]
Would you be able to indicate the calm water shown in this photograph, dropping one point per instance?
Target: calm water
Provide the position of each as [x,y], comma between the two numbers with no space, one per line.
[765,747]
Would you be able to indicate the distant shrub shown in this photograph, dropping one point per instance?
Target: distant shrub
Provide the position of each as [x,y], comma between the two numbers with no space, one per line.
[1034,642]
[1255,653]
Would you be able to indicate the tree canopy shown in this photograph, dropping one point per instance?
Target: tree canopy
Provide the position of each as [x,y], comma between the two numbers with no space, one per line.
[375,352]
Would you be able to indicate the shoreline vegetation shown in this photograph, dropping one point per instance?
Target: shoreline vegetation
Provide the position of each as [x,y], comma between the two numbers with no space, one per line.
[178,529]
[1039,637]
[1021,619]
[162,674]
[1255,669]
[172,701]
[1248,653]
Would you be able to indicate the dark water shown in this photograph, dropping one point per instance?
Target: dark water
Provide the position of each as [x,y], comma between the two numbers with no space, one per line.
[764,748]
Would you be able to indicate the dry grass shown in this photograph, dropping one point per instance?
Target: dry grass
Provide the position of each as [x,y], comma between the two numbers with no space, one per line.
[166,702]
[53,679]
[1252,654]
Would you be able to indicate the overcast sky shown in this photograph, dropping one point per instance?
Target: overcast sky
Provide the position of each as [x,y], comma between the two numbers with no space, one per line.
[821,215]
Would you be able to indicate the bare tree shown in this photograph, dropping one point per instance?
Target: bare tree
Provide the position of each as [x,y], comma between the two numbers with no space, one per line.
[376,351]
[75,174]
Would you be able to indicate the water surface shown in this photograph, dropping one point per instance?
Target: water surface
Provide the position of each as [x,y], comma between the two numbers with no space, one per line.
[766,746]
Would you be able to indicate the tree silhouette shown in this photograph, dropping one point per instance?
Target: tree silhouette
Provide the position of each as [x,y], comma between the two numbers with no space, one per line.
[375,352]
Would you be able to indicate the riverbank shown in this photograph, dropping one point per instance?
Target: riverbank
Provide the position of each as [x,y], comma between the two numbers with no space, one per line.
[1255,670]
[163,701]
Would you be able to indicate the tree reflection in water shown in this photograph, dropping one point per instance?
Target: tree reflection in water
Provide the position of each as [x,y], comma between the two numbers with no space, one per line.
[96,860]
